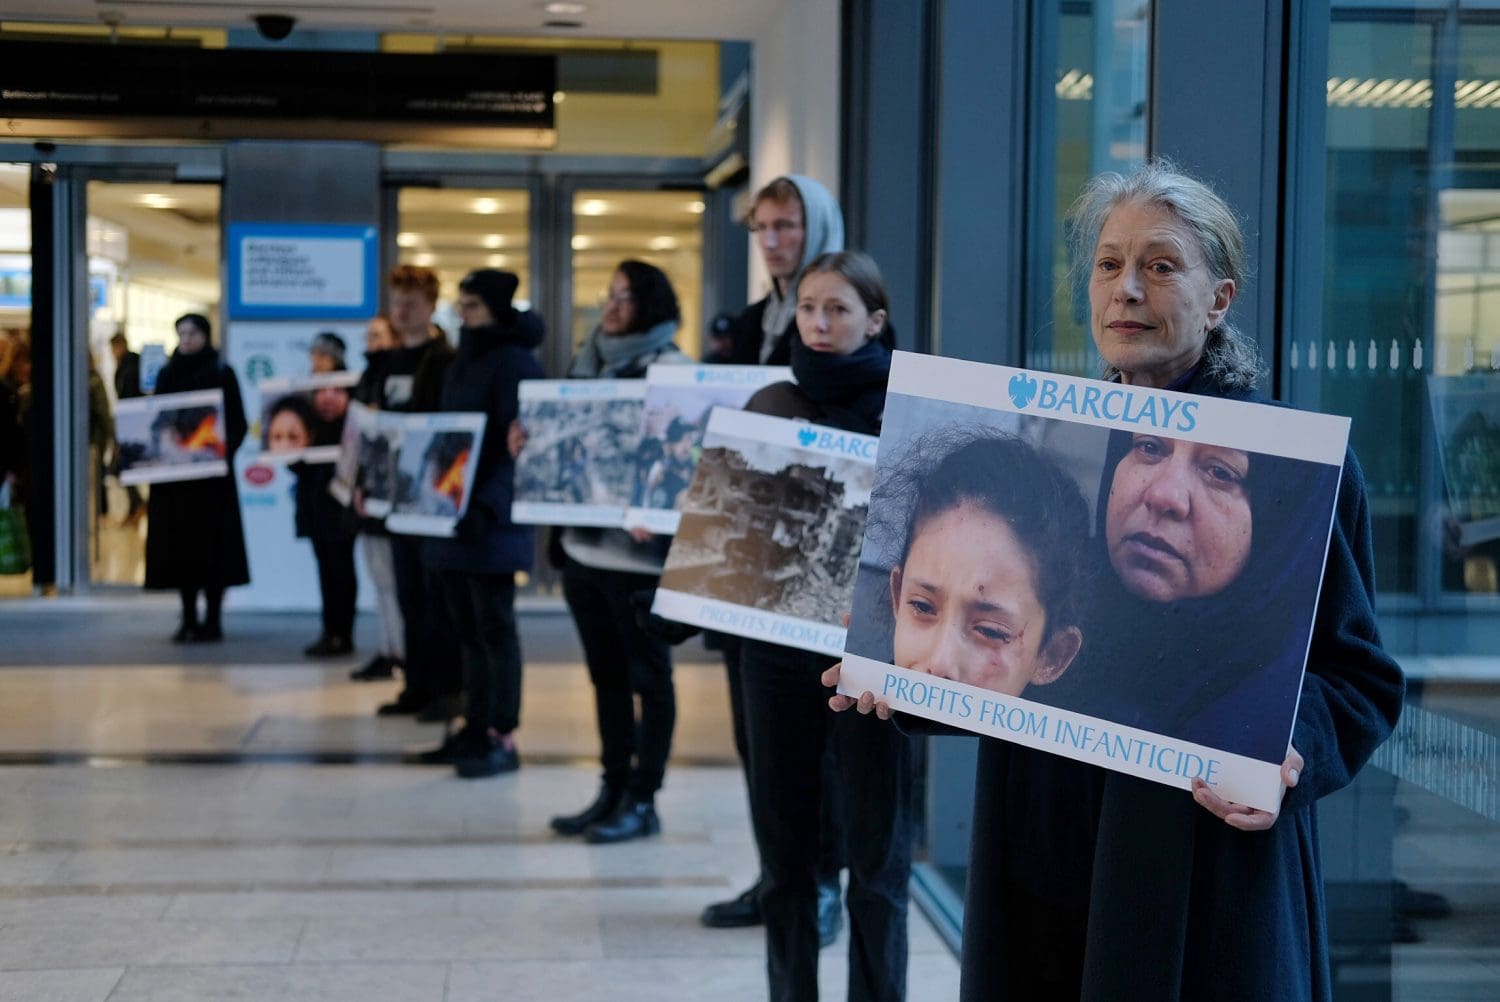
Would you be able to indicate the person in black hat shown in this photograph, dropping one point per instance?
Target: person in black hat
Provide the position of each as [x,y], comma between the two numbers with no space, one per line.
[476,569]
[719,349]
[326,352]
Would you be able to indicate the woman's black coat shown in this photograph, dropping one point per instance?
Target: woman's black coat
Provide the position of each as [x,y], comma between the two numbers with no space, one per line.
[1123,889]
[194,536]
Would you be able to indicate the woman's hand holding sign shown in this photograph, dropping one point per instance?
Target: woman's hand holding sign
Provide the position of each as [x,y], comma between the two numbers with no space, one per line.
[1246,819]
[838,703]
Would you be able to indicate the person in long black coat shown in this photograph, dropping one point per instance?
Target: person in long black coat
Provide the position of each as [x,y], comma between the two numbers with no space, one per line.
[1067,859]
[195,540]
[477,567]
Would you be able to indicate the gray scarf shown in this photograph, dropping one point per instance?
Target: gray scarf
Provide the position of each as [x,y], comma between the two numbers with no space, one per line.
[605,356]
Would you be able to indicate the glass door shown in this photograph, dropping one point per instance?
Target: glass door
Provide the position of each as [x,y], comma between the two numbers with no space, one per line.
[608,225]
[15,370]
[152,255]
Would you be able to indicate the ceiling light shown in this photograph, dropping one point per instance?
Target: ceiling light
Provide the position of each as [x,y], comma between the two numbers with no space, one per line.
[424,260]
[663,244]
[496,260]
[407,240]
[487,206]
[559,96]
[593,207]
[493,240]
[157,201]
[567,8]
[696,207]
[582,243]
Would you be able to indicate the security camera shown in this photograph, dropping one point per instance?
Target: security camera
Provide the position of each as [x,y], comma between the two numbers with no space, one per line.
[274,27]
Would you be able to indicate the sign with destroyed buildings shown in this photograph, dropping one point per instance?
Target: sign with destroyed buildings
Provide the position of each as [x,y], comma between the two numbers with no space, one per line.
[578,463]
[679,399]
[768,545]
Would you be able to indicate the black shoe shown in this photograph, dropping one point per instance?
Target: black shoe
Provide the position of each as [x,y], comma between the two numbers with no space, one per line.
[459,742]
[603,806]
[377,669]
[406,703]
[441,710]
[210,633]
[830,911]
[488,757]
[187,633]
[736,913]
[632,819]
[329,647]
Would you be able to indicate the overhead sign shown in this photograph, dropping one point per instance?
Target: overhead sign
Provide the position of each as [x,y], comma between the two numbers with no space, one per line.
[302,271]
[53,79]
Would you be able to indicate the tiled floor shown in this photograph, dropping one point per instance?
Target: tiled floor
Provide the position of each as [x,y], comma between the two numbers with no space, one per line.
[260,872]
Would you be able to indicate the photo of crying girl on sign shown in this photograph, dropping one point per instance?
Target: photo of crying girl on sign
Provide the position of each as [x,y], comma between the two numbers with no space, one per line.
[1115,580]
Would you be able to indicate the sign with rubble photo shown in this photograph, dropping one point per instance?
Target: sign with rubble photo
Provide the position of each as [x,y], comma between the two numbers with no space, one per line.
[769,540]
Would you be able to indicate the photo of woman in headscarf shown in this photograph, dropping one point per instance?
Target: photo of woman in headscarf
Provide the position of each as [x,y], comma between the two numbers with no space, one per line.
[1215,555]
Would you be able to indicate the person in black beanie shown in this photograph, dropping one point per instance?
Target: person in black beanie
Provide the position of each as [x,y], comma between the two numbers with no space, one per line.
[476,568]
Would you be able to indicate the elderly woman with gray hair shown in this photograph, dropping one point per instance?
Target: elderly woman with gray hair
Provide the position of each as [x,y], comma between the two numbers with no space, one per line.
[1068,857]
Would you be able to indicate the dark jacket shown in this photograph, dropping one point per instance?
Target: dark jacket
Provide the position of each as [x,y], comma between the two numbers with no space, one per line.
[485,377]
[195,538]
[128,376]
[317,515]
[746,337]
[1067,858]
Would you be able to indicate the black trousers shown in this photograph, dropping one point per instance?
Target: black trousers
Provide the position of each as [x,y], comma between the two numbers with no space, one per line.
[790,729]
[432,659]
[831,829]
[483,610]
[338,584]
[624,663]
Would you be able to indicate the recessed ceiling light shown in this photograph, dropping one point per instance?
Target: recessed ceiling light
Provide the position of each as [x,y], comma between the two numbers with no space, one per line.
[496,260]
[424,260]
[407,240]
[567,8]
[593,207]
[488,206]
[582,243]
[696,207]
[493,240]
[663,244]
[559,96]
[156,200]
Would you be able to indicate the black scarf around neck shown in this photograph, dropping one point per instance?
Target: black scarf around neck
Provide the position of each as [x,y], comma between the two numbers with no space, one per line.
[853,383]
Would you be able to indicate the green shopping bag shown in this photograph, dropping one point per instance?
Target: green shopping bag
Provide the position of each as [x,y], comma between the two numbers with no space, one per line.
[15,544]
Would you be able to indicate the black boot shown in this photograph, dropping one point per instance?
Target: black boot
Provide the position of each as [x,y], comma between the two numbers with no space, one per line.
[456,744]
[376,669]
[603,806]
[632,819]
[737,912]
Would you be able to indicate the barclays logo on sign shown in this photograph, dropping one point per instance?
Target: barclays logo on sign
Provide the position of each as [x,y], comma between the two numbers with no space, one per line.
[857,446]
[1117,404]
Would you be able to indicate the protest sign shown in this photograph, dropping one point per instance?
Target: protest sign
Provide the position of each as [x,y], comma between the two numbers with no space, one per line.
[578,464]
[436,456]
[171,437]
[293,409]
[769,540]
[679,399]
[1122,575]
